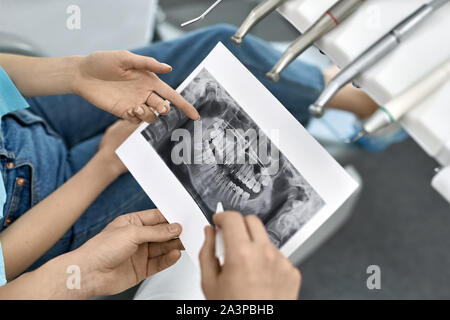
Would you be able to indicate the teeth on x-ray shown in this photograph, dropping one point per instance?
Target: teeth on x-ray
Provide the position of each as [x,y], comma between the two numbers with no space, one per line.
[284,200]
[265,180]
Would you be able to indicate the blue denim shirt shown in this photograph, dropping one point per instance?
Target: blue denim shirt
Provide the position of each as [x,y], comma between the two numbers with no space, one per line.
[10,100]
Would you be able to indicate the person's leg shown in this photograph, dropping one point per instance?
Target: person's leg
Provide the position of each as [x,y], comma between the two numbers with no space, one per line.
[123,196]
[298,87]
[350,98]
[71,117]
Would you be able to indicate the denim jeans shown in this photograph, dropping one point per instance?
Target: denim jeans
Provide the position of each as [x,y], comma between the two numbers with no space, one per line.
[45,145]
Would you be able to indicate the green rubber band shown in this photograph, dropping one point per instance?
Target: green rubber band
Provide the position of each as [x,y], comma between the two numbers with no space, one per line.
[391,117]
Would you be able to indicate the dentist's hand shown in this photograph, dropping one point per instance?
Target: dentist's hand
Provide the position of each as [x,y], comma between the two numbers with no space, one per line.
[126,85]
[130,249]
[254,268]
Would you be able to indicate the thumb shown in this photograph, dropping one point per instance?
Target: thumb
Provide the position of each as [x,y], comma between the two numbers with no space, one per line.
[158,233]
[139,62]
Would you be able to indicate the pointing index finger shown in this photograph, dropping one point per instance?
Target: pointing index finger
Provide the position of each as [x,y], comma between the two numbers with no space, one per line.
[164,90]
[155,233]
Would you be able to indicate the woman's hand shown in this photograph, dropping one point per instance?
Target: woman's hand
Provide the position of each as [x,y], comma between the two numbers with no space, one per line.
[130,249]
[114,136]
[126,85]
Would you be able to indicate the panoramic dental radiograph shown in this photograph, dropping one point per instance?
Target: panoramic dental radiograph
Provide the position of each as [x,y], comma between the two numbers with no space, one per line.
[226,158]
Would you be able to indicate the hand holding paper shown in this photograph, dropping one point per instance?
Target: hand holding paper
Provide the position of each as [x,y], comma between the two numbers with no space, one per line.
[254,268]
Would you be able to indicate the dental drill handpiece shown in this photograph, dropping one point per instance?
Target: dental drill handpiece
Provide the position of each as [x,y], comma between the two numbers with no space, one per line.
[374,54]
[397,108]
[255,16]
[327,22]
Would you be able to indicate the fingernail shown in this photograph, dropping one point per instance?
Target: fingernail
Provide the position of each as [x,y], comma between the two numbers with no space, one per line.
[168,66]
[140,111]
[174,228]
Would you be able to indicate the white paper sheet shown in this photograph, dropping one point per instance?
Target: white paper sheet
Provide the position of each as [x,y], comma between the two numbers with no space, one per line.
[310,176]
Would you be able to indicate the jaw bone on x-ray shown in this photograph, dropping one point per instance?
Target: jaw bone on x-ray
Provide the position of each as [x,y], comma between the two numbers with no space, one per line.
[214,170]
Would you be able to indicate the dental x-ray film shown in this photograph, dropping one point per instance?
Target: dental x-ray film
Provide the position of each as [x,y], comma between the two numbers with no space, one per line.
[246,152]
[232,161]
